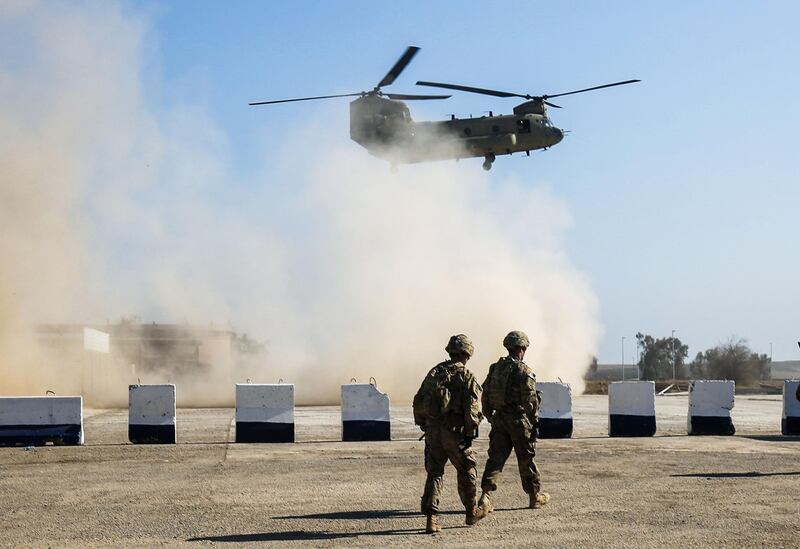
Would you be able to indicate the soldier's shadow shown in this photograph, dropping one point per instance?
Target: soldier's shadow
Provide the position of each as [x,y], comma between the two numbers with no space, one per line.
[307,535]
[301,535]
[361,515]
[374,514]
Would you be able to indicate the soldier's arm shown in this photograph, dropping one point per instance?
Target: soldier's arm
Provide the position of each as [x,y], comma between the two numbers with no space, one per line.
[487,408]
[530,398]
[472,407]
[419,419]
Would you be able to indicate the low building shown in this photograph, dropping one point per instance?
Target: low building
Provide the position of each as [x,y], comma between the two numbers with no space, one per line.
[204,359]
[785,369]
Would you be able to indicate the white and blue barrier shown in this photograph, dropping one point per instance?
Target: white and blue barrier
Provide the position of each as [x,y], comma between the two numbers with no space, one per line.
[555,410]
[365,413]
[632,409]
[39,420]
[264,412]
[151,414]
[790,423]
[710,405]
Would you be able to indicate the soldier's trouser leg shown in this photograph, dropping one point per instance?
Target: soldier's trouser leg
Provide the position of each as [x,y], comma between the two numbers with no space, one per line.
[499,449]
[464,462]
[435,460]
[525,449]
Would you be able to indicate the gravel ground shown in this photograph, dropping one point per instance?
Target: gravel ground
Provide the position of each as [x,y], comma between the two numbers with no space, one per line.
[667,491]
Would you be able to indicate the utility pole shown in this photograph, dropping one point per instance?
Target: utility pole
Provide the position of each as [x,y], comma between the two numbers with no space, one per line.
[673,356]
[623,358]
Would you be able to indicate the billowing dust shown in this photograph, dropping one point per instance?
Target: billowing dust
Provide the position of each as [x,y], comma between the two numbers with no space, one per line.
[115,203]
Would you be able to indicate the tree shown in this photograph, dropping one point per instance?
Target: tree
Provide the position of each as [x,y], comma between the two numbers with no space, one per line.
[732,360]
[659,355]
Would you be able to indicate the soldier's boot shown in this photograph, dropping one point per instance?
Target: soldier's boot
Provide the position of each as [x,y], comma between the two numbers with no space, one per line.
[539,500]
[474,514]
[485,502]
[432,526]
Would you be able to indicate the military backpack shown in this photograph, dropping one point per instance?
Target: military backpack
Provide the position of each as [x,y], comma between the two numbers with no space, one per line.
[500,381]
[433,400]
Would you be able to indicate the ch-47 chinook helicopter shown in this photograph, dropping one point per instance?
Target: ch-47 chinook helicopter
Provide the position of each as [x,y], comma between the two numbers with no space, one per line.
[381,123]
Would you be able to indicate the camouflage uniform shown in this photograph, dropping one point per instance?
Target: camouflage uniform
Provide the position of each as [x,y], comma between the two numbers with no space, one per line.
[511,404]
[449,437]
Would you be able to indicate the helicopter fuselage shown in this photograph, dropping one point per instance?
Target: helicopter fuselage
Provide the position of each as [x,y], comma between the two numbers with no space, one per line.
[381,122]
[385,128]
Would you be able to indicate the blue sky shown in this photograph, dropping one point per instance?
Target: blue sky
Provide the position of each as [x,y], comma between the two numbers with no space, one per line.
[683,189]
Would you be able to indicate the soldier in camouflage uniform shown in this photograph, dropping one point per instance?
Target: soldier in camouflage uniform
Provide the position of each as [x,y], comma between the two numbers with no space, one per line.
[447,409]
[511,405]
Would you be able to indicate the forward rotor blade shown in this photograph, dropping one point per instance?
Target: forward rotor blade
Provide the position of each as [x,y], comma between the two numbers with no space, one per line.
[471,89]
[306,98]
[405,96]
[549,104]
[592,88]
[401,64]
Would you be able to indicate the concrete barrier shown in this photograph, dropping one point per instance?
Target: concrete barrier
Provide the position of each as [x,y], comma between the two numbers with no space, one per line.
[39,420]
[555,411]
[632,409]
[264,412]
[710,405]
[365,413]
[790,423]
[151,414]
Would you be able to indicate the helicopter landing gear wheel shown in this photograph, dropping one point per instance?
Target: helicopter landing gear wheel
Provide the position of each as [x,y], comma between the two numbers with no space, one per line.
[487,163]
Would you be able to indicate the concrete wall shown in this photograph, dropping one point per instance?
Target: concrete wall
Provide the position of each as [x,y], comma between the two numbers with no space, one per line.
[710,405]
[632,409]
[265,413]
[152,414]
[39,420]
[555,411]
[790,423]
[365,413]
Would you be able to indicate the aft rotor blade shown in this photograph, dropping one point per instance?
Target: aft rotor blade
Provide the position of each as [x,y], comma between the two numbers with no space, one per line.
[401,64]
[592,88]
[471,89]
[406,97]
[306,98]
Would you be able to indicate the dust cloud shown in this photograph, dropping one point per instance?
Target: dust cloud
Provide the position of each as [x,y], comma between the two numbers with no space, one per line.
[115,203]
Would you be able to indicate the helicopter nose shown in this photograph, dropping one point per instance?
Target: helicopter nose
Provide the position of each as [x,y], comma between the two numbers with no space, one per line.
[556,134]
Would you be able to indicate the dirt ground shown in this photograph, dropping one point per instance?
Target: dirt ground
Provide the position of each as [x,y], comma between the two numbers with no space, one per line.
[667,491]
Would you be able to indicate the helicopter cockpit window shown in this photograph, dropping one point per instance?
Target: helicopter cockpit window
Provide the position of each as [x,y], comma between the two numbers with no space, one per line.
[523,125]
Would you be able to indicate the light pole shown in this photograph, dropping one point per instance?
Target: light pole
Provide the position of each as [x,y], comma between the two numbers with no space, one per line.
[770,351]
[673,356]
[623,358]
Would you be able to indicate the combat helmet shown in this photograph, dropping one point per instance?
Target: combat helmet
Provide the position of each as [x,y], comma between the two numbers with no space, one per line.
[516,339]
[460,343]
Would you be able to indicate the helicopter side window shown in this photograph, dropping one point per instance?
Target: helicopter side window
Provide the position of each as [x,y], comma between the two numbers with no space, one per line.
[523,125]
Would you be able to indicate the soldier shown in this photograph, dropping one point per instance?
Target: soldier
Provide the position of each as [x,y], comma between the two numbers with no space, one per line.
[447,409]
[511,405]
